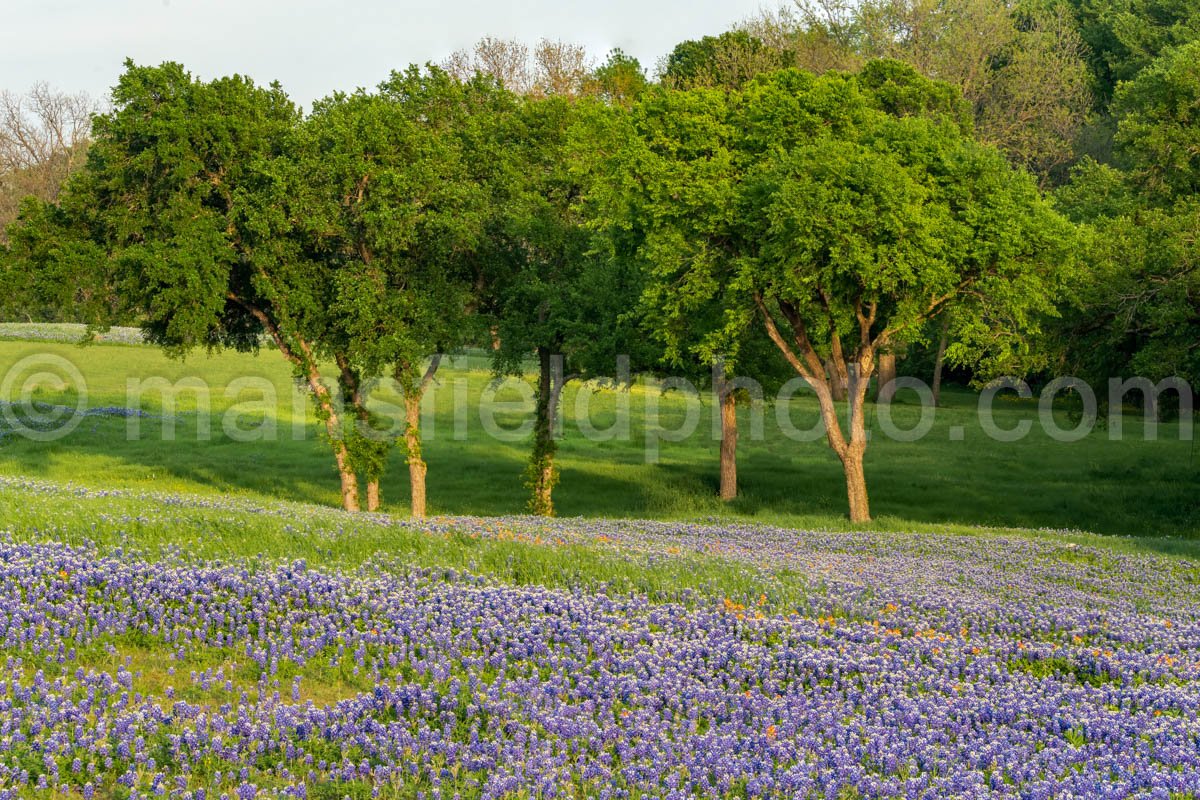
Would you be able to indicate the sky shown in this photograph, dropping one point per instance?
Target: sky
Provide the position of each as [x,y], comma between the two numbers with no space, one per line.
[314,47]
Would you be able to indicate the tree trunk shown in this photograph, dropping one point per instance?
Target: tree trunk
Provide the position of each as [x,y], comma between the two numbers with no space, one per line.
[856,448]
[412,444]
[307,365]
[938,361]
[729,438]
[351,387]
[839,375]
[850,452]
[856,487]
[808,364]
[837,381]
[886,389]
[414,389]
[345,471]
[541,474]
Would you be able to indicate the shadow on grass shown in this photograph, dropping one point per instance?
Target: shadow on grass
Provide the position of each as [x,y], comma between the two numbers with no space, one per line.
[1133,488]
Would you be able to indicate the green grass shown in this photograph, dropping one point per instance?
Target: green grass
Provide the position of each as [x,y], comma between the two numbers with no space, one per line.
[1131,487]
[325,538]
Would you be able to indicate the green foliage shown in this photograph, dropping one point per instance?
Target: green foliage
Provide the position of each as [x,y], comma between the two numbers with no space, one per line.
[552,291]
[727,60]
[1158,125]
[52,269]
[1096,190]
[1135,314]
[182,184]
[1125,36]
[390,199]
[834,193]
[903,214]
[619,81]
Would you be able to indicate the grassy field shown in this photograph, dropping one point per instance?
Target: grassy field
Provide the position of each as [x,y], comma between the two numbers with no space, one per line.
[1130,487]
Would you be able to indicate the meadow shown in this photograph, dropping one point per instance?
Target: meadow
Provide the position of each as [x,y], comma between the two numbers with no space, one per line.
[1132,487]
[196,619]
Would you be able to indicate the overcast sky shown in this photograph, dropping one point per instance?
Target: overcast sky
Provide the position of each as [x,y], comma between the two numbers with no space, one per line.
[316,46]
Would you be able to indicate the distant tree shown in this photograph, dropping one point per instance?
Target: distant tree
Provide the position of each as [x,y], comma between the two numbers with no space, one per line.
[506,60]
[550,68]
[1125,36]
[43,139]
[561,68]
[815,37]
[728,60]
[619,81]
[847,211]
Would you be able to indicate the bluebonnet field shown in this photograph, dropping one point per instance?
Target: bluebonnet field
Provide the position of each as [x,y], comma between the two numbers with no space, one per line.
[846,664]
[68,332]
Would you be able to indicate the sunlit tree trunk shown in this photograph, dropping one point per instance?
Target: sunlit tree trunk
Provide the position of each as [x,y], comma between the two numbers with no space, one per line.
[333,427]
[353,391]
[800,353]
[414,390]
[416,462]
[301,355]
[729,439]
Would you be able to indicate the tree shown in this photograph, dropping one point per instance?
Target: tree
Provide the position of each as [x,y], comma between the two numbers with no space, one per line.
[693,198]
[850,210]
[884,219]
[815,37]
[506,60]
[554,295]
[552,68]
[402,190]
[43,139]
[619,81]
[728,60]
[182,197]
[562,68]
[1158,126]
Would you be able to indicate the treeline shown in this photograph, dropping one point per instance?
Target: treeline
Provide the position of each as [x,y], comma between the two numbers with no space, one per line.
[815,193]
